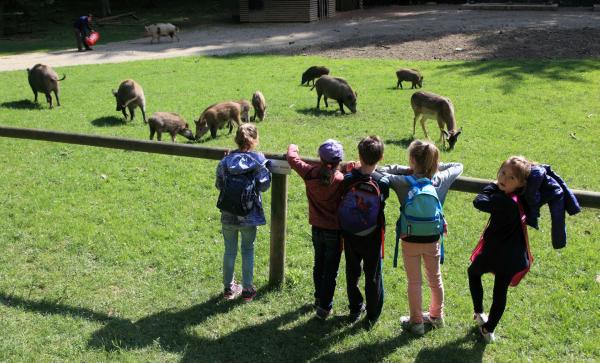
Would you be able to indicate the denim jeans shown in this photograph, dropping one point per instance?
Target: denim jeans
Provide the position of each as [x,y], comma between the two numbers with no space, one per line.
[328,251]
[230,235]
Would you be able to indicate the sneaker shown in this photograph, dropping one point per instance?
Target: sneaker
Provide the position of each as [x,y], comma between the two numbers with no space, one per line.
[480,318]
[322,313]
[488,336]
[415,328]
[355,316]
[233,291]
[249,293]
[435,323]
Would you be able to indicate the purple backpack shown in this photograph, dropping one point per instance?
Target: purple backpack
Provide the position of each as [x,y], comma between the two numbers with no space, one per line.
[358,213]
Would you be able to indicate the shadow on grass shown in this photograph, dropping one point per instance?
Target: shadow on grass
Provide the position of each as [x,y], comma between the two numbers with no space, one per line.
[319,112]
[108,121]
[404,142]
[469,348]
[22,105]
[282,337]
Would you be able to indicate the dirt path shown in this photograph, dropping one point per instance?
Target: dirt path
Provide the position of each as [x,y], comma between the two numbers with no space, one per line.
[437,32]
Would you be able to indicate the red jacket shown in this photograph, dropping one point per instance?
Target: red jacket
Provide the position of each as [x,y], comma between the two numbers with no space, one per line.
[323,200]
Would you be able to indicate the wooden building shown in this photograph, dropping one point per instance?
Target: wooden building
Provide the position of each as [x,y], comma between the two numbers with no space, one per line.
[266,11]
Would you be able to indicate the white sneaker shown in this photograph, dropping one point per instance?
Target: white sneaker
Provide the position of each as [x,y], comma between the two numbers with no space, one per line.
[488,336]
[480,318]
[415,328]
[436,323]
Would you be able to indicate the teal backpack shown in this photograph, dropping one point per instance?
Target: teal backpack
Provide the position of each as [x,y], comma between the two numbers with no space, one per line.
[421,214]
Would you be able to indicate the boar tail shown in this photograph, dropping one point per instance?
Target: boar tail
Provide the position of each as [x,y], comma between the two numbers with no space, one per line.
[62,79]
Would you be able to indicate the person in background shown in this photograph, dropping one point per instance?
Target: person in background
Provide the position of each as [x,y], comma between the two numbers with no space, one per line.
[82,28]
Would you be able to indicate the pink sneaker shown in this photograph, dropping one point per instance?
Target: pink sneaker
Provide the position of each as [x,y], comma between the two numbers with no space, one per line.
[249,293]
[233,291]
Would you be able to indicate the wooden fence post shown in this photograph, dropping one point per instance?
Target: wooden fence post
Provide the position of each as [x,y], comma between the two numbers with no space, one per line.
[279,191]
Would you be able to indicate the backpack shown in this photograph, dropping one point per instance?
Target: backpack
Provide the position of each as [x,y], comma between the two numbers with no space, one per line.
[421,213]
[238,195]
[359,210]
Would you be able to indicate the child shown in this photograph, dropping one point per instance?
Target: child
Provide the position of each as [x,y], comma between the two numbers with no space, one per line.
[423,160]
[502,249]
[365,247]
[323,189]
[240,163]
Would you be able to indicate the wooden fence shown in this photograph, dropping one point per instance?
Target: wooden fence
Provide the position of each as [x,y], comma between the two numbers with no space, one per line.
[278,186]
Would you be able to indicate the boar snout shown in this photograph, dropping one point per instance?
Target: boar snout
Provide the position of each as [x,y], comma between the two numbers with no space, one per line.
[201,129]
[187,133]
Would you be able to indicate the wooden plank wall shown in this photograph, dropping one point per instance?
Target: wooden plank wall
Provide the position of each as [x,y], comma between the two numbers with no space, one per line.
[283,11]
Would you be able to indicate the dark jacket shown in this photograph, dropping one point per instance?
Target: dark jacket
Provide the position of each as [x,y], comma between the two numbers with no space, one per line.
[504,249]
[83,24]
[239,163]
[546,187]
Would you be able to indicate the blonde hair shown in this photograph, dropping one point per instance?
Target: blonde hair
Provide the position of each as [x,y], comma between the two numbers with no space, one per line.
[520,166]
[426,156]
[246,136]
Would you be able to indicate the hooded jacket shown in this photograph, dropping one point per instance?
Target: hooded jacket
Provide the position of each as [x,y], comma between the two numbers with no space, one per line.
[238,162]
[323,200]
[546,187]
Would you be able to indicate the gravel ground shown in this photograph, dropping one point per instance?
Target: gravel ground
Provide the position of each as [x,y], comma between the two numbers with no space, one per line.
[415,32]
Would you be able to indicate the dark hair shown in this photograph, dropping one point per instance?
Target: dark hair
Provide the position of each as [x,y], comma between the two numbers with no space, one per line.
[326,171]
[370,149]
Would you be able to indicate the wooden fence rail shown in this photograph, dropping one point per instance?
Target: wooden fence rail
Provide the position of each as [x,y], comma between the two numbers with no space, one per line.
[587,199]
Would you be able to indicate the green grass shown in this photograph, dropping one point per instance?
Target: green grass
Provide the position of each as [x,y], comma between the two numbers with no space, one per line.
[112,255]
[50,30]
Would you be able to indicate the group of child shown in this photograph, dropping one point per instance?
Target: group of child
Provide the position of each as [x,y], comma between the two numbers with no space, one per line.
[331,186]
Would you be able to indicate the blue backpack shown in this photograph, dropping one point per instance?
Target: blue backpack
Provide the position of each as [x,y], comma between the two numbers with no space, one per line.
[421,213]
[359,210]
[238,195]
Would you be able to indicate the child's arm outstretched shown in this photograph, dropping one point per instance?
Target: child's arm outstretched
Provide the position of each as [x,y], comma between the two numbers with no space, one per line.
[301,167]
[445,176]
[395,169]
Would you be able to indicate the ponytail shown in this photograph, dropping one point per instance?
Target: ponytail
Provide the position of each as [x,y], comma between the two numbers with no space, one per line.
[426,156]
[326,172]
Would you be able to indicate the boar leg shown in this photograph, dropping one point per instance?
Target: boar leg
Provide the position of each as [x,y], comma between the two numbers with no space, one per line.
[56,95]
[173,135]
[124,113]
[152,131]
[213,131]
[49,99]
[399,84]
[143,114]
[158,135]
[318,100]
[341,107]
[131,112]
[35,95]
[325,100]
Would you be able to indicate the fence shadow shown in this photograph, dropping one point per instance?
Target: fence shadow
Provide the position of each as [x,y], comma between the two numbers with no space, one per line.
[469,348]
[404,142]
[24,104]
[108,121]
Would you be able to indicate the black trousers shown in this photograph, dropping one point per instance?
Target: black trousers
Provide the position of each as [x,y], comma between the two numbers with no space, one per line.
[328,251]
[501,283]
[365,251]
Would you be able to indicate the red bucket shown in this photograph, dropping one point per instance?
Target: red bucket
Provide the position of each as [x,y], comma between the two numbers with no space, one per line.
[92,38]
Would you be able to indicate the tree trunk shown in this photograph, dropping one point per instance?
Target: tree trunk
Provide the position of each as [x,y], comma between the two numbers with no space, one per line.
[105,7]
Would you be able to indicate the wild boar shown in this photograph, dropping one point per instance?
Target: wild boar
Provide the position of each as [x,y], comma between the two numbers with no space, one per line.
[217,116]
[259,104]
[169,122]
[130,95]
[43,78]
[429,105]
[409,75]
[161,30]
[244,110]
[337,89]
[312,73]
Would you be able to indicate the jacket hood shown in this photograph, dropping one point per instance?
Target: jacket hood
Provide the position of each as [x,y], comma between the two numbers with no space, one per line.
[240,162]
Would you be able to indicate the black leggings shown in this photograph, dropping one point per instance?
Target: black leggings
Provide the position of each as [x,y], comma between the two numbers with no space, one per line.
[501,283]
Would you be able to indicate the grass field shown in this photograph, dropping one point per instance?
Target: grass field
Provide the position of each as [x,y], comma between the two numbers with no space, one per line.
[116,256]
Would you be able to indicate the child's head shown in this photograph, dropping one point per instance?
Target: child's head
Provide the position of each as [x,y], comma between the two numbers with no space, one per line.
[423,157]
[246,137]
[513,174]
[331,153]
[370,150]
